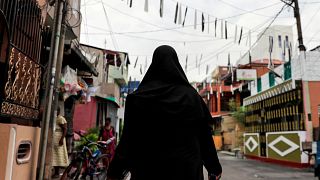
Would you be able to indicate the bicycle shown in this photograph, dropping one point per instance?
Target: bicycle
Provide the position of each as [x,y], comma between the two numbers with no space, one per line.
[88,163]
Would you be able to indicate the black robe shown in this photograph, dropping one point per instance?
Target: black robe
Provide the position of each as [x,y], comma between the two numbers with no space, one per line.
[166,133]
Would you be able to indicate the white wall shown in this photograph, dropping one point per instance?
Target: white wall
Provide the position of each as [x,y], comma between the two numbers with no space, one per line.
[306,67]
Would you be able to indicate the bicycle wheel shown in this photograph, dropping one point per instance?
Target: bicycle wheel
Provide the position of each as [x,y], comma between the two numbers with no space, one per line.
[73,171]
[102,164]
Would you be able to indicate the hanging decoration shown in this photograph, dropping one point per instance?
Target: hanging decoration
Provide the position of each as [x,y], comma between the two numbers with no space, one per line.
[290,51]
[185,15]
[176,13]
[180,15]
[207,69]
[284,51]
[221,29]
[240,36]
[195,19]
[161,8]
[146,64]
[130,3]
[202,22]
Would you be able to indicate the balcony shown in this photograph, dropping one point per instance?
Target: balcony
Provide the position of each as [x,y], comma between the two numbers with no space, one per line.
[109,91]
[118,74]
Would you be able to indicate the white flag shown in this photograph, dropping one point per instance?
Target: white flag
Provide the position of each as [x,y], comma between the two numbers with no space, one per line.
[135,64]
[221,29]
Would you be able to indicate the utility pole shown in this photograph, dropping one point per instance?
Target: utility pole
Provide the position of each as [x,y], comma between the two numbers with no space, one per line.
[56,32]
[302,48]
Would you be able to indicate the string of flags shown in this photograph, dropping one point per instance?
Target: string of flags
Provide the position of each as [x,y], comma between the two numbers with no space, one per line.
[180,19]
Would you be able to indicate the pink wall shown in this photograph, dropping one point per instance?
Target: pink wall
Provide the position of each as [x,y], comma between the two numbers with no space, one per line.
[85,115]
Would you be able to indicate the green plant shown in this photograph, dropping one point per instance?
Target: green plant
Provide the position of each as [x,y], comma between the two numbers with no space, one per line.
[92,135]
[238,112]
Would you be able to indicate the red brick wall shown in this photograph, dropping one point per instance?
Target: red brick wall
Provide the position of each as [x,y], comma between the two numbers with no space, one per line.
[314,90]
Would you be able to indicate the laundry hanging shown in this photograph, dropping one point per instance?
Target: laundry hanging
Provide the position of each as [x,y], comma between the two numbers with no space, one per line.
[185,15]
[161,8]
[195,19]
[180,15]
[202,22]
[240,36]
[176,13]
[146,5]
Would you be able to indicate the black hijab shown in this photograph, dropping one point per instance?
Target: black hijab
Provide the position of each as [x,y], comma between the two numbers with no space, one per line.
[166,133]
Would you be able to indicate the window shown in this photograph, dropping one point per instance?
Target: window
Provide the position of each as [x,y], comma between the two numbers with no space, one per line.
[259,85]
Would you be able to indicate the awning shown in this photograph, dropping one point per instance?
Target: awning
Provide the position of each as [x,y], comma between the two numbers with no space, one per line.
[274,91]
[110,99]
[76,60]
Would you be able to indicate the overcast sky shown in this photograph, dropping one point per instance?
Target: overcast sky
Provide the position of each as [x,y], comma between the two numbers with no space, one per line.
[139,33]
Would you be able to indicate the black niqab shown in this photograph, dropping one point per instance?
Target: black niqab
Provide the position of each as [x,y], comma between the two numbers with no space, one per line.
[166,134]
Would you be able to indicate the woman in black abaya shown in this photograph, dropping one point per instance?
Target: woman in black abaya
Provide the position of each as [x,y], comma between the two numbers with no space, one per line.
[166,134]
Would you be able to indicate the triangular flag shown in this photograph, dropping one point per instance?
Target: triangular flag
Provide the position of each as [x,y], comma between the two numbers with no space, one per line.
[185,15]
[202,23]
[176,13]
[284,51]
[161,8]
[240,36]
[215,27]
[226,30]
[221,29]
[135,64]
[270,64]
[250,58]
[180,15]
[186,65]
[208,23]
[235,34]
[130,3]
[195,19]
[146,5]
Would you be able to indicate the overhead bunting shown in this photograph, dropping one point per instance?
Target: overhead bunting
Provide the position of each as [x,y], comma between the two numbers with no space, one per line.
[195,19]
[270,64]
[240,36]
[146,5]
[185,15]
[202,22]
[180,15]
[141,69]
[146,64]
[176,13]
[284,51]
[130,3]
[161,8]
[290,51]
